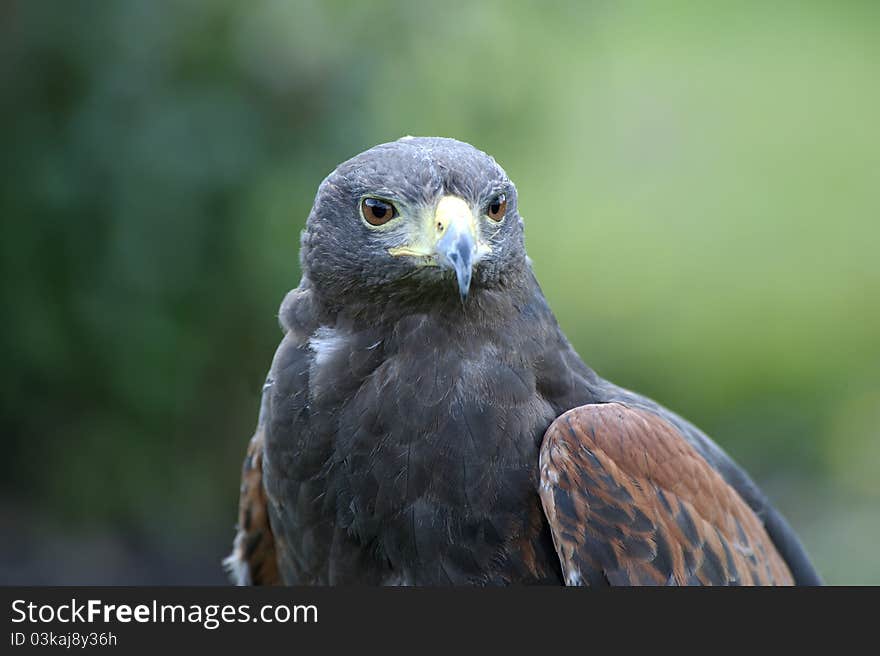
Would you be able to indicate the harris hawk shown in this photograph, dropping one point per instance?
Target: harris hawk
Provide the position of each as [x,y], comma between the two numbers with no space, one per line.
[425,421]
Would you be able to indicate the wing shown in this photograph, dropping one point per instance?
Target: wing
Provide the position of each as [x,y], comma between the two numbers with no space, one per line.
[253,560]
[631,502]
[289,528]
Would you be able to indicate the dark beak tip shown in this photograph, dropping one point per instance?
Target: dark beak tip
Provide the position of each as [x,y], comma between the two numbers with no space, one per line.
[463,273]
[464,285]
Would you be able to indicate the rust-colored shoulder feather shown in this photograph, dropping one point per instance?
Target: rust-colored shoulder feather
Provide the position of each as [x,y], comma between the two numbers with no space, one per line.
[630,502]
[253,559]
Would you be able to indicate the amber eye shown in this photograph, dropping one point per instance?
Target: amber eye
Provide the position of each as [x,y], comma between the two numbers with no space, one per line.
[377,212]
[497,208]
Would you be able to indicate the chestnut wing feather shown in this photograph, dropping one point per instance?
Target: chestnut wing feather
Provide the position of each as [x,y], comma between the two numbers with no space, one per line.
[630,502]
[253,560]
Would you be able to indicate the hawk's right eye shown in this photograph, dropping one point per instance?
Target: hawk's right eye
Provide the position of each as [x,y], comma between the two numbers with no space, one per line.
[377,212]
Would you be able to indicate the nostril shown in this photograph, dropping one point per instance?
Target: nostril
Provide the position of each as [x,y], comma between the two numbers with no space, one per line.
[439,226]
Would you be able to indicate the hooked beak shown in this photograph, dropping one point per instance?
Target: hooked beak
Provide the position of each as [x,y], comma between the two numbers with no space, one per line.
[456,246]
[450,239]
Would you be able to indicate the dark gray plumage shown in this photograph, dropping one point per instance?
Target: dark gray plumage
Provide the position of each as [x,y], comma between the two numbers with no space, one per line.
[404,412]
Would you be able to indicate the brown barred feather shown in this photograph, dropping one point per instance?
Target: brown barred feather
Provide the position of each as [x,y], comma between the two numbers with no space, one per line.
[253,560]
[631,502]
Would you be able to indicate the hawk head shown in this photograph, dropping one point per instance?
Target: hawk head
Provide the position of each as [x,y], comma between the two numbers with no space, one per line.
[420,217]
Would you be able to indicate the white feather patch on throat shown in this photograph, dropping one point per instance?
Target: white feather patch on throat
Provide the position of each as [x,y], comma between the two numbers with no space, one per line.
[324,343]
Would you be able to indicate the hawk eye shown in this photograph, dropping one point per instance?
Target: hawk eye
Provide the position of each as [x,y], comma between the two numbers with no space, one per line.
[377,212]
[497,208]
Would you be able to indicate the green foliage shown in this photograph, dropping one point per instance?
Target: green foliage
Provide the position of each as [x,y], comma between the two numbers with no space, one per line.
[699,188]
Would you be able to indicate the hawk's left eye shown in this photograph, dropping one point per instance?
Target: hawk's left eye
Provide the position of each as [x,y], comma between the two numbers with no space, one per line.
[497,208]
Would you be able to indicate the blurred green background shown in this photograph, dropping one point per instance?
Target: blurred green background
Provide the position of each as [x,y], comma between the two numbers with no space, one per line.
[700,187]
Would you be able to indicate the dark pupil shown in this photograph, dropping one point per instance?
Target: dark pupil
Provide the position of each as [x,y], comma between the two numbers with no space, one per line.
[495,207]
[377,208]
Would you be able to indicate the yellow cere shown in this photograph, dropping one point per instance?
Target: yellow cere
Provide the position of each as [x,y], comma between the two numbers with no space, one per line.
[450,210]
